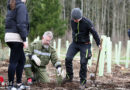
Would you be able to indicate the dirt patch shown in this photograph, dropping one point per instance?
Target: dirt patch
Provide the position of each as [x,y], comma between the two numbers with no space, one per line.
[119,79]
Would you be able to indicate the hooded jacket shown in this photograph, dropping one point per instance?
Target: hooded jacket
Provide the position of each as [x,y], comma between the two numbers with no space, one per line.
[16,23]
[81,30]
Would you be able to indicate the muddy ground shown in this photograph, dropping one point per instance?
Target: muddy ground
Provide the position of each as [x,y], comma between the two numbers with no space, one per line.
[119,79]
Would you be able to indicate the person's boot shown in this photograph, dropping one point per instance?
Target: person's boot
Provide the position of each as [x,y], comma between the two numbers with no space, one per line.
[67,79]
[82,86]
[11,86]
[21,86]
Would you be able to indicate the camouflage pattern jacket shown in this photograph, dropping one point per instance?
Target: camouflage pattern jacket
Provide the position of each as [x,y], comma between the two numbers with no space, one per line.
[44,54]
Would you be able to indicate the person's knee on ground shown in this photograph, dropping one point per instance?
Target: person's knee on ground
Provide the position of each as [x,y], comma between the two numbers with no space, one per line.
[41,76]
[28,71]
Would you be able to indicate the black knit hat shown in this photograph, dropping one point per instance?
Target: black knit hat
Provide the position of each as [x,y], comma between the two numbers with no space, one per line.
[76,13]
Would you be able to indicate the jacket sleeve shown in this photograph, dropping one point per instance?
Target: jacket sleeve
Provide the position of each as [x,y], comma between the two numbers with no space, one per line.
[54,58]
[29,52]
[21,21]
[94,32]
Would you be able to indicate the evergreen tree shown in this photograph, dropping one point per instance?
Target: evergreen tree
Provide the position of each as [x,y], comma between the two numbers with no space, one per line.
[2,19]
[45,15]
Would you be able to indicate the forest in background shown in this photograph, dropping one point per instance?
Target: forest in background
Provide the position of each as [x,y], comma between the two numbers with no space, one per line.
[110,17]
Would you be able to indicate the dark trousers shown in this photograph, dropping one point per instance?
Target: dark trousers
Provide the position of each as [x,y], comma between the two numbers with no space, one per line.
[85,54]
[16,61]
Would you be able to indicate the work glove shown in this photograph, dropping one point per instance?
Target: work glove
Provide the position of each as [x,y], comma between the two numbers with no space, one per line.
[59,71]
[36,60]
[60,75]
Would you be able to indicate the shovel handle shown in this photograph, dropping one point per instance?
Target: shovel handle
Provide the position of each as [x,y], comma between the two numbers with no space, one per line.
[98,57]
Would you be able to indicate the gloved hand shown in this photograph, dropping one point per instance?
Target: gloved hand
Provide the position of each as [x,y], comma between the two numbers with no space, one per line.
[36,60]
[59,71]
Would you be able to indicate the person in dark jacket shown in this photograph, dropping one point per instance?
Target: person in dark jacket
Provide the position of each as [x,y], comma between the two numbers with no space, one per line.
[81,28]
[16,31]
[129,33]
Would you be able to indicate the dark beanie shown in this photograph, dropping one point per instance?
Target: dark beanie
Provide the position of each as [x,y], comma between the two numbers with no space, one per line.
[76,13]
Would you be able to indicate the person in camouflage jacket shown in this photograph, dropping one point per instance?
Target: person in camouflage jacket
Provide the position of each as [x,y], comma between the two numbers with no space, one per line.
[38,56]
